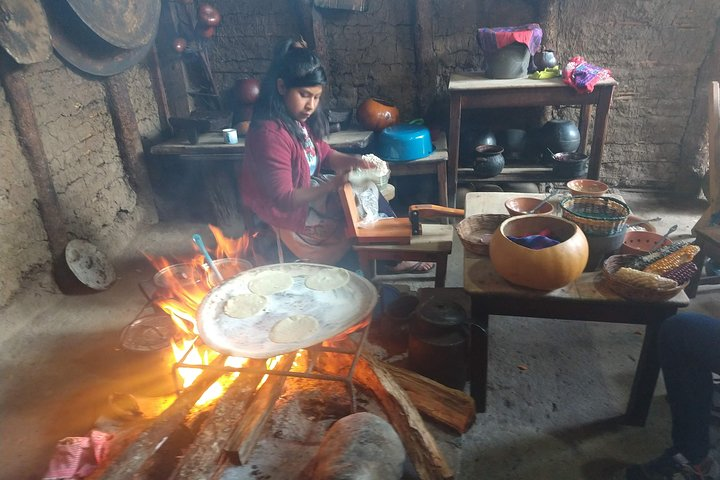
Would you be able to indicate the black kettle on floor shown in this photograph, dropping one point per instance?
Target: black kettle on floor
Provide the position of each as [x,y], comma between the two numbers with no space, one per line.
[438,342]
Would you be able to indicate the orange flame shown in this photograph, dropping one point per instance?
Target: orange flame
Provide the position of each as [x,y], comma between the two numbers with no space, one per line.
[185,289]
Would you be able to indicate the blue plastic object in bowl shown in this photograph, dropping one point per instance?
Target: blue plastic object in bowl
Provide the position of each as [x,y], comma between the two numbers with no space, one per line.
[401,143]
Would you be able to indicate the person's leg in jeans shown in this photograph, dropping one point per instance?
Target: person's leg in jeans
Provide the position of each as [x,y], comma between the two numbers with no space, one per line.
[689,353]
[689,349]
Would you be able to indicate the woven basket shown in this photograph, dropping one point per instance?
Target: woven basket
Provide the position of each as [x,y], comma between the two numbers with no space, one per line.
[474,231]
[600,216]
[633,292]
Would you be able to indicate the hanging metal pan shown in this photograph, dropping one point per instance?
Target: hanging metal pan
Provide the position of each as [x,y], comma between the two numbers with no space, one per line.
[79,46]
[129,24]
[24,31]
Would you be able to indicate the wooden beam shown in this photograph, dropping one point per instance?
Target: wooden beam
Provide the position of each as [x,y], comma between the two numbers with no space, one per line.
[425,61]
[313,31]
[28,135]
[128,141]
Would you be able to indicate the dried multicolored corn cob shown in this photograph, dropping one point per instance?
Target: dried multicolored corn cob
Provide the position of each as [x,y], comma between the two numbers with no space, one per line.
[643,261]
[644,279]
[683,273]
[674,260]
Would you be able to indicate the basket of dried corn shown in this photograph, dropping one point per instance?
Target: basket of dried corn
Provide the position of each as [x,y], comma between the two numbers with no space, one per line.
[599,216]
[476,230]
[652,277]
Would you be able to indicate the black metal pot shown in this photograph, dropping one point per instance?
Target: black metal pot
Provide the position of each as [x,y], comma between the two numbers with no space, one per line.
[489,160]
[568,165]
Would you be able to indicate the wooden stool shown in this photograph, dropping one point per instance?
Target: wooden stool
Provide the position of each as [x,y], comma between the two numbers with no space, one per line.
[434,245]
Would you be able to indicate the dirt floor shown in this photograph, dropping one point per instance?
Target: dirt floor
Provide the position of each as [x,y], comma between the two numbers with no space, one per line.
[556,388]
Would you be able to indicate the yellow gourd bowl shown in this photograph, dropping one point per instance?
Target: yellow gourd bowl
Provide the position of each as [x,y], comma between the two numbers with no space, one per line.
[544,269]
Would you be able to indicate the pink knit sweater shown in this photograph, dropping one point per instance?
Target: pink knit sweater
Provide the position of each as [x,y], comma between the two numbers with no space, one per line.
[273,167]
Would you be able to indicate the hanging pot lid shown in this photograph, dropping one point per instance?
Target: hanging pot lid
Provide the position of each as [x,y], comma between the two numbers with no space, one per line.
[129,24]
[24,31]
[89,264]
[81,47]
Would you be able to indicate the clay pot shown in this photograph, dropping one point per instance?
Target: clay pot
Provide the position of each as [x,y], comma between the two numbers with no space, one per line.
[247,90]
[544,269]
[376,114]
[469,139]
[489,161]
[560,135]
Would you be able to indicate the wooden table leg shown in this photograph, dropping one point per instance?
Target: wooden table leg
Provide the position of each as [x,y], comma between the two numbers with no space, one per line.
[442,183]
[598,141]
[453,148]
[479,355]
[646,375]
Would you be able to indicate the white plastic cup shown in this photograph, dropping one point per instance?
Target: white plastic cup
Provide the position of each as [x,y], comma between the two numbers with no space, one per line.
[230,136]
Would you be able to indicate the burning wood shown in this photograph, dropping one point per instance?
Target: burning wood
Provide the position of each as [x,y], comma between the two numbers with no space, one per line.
[247,431]
[404,417]
[202,457]
[134,456]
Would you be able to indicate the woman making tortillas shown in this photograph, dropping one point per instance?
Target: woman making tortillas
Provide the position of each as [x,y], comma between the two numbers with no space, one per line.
[285,152]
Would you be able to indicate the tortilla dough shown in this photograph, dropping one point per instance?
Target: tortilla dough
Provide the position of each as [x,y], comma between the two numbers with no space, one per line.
[294,328]
[244,305]
[328,279]
[270,282]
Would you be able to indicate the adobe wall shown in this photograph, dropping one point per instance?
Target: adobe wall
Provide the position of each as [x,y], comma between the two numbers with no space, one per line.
[87,172]
[663,56]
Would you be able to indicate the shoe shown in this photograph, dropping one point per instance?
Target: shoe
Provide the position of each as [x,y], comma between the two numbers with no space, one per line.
[674,466]
[417,267]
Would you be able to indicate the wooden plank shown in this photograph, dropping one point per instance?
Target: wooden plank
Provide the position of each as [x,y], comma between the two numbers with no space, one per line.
[246,433]
[420,445]
[200,460]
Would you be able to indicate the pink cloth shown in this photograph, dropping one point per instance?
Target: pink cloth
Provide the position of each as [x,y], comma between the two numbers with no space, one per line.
[492,39]
[582,75]
[78,457]
[275,165]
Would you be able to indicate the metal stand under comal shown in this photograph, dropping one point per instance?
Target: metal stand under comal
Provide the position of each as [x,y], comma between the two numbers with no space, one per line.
[313,353]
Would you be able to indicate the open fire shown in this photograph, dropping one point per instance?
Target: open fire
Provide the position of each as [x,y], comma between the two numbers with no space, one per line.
[183,291]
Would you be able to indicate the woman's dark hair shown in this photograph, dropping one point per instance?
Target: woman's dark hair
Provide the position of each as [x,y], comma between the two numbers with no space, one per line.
[297,66]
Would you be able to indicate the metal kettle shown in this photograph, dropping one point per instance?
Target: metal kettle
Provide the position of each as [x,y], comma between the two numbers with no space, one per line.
[438,342]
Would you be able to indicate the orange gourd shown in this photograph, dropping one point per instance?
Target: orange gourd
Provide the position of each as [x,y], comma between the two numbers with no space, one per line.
[545,269]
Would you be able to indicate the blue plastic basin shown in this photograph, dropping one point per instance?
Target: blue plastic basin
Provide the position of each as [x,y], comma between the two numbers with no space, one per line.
[402,143]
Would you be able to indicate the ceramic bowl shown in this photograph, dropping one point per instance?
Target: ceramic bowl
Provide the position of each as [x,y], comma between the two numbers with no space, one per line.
[544,269]
[638,242]
[522,205]
[585,186]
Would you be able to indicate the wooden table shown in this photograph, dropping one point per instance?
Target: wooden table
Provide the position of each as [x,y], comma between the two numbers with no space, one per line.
[585,299]
[210,146]
[221,168]
[471,90]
